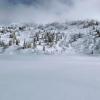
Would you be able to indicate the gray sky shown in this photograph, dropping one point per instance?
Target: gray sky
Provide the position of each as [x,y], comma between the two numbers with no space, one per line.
[43,11]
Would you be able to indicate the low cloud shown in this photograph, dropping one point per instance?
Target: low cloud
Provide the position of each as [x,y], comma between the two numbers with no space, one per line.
[49,11]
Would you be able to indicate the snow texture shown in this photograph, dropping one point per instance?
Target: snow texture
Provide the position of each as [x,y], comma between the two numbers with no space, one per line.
[25,77]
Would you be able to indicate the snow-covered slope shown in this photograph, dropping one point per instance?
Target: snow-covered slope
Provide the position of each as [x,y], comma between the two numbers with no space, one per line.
[54,38]
[49,77]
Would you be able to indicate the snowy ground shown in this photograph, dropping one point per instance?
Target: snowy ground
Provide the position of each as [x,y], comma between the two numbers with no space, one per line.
[49,77]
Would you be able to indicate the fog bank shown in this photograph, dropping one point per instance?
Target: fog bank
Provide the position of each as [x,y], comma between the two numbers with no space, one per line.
[44,11]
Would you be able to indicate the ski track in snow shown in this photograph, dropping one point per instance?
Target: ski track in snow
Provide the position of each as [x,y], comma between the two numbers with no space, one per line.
[49,77]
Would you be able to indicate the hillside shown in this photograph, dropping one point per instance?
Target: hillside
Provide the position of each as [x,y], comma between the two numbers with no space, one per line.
[53,38]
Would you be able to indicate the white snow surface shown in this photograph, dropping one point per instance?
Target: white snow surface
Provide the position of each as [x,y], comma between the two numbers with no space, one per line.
[39,77]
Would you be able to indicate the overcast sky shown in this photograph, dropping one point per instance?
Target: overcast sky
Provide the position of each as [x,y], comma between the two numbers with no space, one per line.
[43,11]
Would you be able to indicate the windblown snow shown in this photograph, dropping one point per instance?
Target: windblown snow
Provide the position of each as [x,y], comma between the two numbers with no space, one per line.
[54,38]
